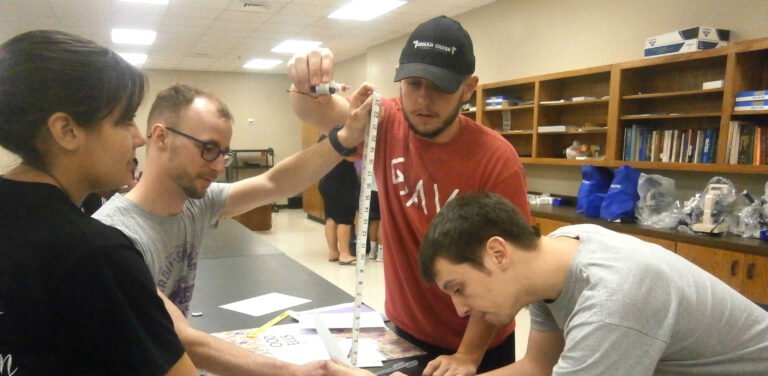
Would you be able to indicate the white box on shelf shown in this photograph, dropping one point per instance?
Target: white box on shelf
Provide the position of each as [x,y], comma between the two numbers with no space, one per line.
[686,40]
[557,128]
[690,45]
[717,84]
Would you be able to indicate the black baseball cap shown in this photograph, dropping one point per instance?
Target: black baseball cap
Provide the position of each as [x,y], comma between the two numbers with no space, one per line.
[439,50]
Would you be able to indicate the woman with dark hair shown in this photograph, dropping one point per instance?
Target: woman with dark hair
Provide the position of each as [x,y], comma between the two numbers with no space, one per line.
[75,295]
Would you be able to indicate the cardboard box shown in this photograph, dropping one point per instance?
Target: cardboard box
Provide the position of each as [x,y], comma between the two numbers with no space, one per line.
[690,45]
[686,40]
[258,219]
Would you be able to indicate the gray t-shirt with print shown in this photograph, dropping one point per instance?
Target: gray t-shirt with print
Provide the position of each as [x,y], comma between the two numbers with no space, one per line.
[170,244]
[634,308]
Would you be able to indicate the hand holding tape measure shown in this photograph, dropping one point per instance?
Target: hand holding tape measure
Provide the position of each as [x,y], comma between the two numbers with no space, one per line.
[365,104]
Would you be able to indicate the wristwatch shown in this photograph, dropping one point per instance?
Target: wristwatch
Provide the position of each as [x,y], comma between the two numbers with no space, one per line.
[333,138]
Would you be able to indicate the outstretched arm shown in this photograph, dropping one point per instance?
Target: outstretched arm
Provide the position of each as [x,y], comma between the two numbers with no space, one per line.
[221,357]
[298,171]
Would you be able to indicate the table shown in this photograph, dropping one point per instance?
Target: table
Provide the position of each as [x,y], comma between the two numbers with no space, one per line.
[236,264]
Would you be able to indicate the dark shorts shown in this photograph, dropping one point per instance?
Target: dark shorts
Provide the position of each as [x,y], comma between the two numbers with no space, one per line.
[340,205]
[375,214]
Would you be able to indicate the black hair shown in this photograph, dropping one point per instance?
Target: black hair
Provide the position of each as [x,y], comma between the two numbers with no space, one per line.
[460,231]
[43,72]
[172,100]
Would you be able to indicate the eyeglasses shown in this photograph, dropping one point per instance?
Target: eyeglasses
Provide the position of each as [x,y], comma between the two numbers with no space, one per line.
[209,151]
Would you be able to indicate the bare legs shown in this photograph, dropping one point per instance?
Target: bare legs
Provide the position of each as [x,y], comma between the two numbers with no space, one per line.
[337,237]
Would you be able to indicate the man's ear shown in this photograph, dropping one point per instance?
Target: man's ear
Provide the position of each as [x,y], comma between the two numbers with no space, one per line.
[157,133]
[498,250]
[65,132]
[470,84]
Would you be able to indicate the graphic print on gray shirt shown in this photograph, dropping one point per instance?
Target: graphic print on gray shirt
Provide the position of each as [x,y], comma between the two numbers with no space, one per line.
[170,244]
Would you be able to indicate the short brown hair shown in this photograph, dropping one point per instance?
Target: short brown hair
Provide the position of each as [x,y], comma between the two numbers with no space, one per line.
[171,101]
[459,232]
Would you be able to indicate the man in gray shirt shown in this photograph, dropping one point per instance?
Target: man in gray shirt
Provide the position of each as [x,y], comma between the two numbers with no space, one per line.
[176,199]
[601,302]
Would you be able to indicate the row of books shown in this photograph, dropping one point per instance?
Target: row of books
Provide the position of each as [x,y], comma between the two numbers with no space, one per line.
[648,144]
[747,143]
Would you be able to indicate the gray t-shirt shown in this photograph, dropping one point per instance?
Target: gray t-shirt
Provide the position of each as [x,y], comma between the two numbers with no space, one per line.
[170,244]
[634,308]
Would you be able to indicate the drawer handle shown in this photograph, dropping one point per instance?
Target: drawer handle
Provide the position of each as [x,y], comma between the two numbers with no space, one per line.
[750,270]
[734,267]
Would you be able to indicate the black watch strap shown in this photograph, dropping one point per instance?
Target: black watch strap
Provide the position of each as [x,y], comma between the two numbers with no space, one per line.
[333,138]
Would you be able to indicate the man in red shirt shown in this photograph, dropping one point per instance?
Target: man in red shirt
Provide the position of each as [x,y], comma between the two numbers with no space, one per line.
[426,154]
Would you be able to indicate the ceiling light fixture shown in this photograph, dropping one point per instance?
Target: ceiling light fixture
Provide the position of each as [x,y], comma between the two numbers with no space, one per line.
[262,64]
[133,36]
[365,10]
[293,46]
[158,2]
[133,58]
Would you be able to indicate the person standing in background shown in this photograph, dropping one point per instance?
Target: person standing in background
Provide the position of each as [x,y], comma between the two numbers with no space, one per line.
[340,189]
[374,228]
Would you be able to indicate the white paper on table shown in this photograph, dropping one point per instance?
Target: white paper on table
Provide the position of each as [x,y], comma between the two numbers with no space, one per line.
[333,348]
[261,305]
[368,355]
[292,344]
[341,320]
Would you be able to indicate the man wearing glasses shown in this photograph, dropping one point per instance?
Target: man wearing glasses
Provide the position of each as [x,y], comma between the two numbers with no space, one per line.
[177,198]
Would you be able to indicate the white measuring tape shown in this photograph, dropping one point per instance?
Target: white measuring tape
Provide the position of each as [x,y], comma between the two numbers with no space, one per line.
[364,210]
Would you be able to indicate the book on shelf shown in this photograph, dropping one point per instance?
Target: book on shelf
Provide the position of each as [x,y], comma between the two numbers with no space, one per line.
[754,95]
[747,143]
[557,128]
[750,105]
[581,99]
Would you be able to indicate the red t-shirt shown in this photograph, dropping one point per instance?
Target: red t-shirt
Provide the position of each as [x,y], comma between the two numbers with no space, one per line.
[416,178]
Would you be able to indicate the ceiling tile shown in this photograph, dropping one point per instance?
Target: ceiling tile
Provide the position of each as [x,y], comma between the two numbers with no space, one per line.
[220,34]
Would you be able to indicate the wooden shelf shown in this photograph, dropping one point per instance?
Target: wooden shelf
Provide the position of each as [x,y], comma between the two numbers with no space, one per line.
[685,93]
[575,103]
[567,162]
[516,133]
[658,94]
[511,108]
[671,116]
[750,113]
[584,131]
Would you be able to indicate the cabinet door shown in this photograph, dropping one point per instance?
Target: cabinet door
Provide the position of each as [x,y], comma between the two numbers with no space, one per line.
[756,278]
[546,225]
[725,265]
[668,244]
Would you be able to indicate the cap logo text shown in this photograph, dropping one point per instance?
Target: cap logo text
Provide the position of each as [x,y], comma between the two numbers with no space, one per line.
[432,45]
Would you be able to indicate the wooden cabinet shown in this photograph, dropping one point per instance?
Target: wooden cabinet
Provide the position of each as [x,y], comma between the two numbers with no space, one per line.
[547,225]
[756,278]
[746,273]
[633,112]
